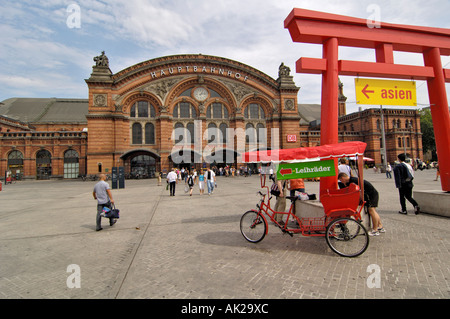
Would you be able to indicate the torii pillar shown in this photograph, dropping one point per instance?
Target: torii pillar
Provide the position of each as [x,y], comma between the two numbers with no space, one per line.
[332,31]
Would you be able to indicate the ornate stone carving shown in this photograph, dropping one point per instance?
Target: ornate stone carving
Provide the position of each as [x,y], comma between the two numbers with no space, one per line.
[100,100]
[289,105]
[161,88]
[239,91]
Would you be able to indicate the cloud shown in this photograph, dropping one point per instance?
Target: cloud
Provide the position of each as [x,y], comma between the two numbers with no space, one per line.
[36,45]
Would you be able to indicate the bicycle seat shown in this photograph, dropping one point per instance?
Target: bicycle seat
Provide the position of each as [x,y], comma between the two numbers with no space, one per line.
[292,198]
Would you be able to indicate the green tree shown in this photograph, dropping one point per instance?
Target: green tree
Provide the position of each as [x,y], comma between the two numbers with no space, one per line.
[426,126]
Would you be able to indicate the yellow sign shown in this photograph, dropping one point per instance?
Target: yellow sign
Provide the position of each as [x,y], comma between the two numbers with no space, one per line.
[385,92]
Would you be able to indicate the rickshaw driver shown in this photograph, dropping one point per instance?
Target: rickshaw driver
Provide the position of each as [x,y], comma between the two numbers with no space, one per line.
[371,198]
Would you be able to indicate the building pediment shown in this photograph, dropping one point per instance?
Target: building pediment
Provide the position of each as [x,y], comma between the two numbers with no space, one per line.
[182,65]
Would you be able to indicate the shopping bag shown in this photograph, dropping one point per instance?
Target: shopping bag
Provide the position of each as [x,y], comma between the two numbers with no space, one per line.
[113,213]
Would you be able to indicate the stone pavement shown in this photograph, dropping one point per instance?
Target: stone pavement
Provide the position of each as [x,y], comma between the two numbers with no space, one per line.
[191,247]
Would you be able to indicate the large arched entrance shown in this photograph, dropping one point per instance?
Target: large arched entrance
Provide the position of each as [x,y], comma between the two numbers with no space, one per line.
[15,163]
[43,165]
[140,164]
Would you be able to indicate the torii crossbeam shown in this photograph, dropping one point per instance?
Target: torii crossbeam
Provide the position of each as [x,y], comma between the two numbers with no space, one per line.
[332,31]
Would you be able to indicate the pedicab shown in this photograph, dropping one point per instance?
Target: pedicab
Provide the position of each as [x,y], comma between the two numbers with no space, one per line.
[341,224]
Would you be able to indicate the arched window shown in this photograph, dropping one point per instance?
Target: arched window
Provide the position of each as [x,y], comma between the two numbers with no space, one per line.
[250,136]
[15,162]
[217,111]
[190,129]
[212,133]
[149,133]
[142,109]
[223,129]
[136,133]
[254,112]
[15,158]
[179,132]
[184,110]
[260,133]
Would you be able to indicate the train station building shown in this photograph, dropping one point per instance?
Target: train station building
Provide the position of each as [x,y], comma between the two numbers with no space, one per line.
[182,110]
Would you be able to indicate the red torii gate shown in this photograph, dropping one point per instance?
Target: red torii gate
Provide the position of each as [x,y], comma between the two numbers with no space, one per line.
[332,30]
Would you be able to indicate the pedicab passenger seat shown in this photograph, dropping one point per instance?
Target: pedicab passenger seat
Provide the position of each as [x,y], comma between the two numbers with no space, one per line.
[341,202]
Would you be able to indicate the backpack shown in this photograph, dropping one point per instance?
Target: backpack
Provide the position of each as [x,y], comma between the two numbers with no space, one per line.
[190,181]
[274,190]
[409,176]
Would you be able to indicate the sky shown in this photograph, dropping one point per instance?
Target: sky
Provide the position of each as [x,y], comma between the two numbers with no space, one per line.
[47,47]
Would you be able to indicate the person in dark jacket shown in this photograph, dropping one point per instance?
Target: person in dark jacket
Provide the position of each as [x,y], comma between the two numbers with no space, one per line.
[403,177]
[371,199]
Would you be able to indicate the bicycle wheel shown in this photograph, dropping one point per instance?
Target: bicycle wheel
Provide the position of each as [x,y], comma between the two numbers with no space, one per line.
[347,237]
[253,226]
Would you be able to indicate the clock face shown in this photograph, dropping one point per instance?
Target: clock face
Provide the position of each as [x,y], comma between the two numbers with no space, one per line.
[200,94]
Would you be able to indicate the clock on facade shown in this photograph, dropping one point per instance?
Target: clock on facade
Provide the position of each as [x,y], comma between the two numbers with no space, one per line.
[200,94]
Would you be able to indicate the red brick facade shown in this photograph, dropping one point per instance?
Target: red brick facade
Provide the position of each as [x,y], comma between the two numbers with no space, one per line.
[168,86]
[130,119]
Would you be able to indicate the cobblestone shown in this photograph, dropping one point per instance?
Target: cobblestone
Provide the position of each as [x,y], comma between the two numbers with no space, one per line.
[191,247]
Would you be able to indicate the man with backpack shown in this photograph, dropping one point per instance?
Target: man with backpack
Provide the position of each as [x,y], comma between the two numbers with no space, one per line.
[190,182]
[403,175]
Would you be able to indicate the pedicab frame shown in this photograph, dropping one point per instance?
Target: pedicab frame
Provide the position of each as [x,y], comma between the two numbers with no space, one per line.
[341,224]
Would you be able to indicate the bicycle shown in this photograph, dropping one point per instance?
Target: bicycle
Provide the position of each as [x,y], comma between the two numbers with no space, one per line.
[341,224]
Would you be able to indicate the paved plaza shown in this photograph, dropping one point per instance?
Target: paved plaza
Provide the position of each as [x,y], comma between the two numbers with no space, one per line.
[191,247]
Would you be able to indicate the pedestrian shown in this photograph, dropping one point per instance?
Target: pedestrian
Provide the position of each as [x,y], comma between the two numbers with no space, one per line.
[296,185]
[437,172]
[159,178]
[190,182]
[388,170]
[343,167]
[280,204]
[201,182]
[172,180]
[371,199]
[195,177]
[403,176]
[210,180]
[102,193]
[278,189]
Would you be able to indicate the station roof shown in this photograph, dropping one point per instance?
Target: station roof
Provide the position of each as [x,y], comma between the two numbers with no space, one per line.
[45,110]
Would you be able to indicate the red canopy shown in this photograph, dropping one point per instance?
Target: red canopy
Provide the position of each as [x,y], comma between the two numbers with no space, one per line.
[303,154]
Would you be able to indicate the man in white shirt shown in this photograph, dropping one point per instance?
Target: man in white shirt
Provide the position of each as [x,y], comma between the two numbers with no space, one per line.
[210,178]
[102,193]
[172,180]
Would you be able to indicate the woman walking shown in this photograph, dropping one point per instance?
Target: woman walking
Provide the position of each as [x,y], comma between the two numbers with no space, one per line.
[201,182]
